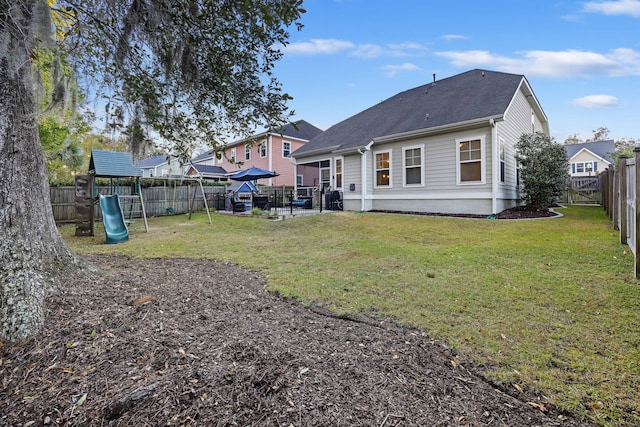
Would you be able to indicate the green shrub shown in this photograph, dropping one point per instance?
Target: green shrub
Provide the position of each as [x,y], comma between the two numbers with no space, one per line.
[544,169]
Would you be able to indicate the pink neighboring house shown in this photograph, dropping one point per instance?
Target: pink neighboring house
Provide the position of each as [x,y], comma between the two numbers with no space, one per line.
[267,150]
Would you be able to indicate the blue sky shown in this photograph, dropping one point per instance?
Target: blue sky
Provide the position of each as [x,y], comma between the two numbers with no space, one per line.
[582,58]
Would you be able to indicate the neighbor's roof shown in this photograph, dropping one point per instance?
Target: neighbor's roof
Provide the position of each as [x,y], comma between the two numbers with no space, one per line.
[209,170]
[151,162]
[473,95]
[241,186]
[602,149]
[112,164]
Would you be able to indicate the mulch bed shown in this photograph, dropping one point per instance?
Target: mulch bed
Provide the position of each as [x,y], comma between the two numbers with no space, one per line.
[176,342]
[519,212]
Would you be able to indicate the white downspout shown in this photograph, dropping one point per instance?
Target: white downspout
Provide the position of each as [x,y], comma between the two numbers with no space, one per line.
[363,177]
[270,156]
[496,166]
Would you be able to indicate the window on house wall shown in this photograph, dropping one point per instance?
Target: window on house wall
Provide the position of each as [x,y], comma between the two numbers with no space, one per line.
[247,152]
[470,160]
[263,149]
[299,180]
[502,165]
[584,167]
[286,149]
[412,162]
[383,169]
[338,173]
[233,154]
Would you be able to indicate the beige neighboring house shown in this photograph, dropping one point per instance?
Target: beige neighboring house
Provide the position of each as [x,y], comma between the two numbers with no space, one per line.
[589,158]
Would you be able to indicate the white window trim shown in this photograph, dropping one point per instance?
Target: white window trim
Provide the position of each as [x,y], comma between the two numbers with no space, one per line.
[263,148]
[335,172]
[233,157]
[247,152]
[375,175]
[290,150]
[404,165]
[483,173]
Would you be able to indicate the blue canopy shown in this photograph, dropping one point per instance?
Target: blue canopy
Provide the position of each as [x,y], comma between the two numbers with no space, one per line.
[252,174]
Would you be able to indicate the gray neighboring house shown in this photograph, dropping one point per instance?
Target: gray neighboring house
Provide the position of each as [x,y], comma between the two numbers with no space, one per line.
[589,158]
[160,167]
[444,147]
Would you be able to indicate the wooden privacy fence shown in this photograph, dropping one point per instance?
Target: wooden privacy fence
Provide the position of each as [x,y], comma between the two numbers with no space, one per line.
[158,201]
[620,201]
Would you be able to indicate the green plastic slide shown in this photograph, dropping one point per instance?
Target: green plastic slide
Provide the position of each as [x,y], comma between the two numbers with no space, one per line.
[113,220]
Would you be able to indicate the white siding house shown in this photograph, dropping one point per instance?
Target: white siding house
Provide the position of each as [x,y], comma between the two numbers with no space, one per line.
[589,158]
[444,147]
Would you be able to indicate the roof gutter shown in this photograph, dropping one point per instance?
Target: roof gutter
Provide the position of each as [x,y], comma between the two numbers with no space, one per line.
[326,150]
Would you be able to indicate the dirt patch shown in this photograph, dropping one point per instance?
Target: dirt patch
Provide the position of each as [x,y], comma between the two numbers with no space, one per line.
[194,342]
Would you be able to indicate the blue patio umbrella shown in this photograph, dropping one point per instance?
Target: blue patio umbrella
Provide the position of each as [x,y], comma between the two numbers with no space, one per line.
[252,174]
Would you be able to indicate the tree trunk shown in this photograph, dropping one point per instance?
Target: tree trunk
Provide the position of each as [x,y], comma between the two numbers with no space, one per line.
[33,255]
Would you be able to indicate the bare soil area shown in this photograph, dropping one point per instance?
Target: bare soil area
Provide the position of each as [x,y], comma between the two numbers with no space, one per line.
[182,342]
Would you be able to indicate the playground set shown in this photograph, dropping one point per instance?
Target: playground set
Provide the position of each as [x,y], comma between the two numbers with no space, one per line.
[123,204]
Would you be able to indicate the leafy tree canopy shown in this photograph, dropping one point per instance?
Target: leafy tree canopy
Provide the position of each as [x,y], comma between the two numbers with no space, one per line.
[187,71]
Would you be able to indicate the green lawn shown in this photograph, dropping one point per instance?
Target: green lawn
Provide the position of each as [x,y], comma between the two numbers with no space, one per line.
[548,305]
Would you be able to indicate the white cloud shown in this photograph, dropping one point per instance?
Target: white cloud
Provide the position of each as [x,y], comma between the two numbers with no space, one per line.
[597,101]
[619,7]
[567,63]
[392,70]
[368,51]
[453,37]
[319,47]
[334,46]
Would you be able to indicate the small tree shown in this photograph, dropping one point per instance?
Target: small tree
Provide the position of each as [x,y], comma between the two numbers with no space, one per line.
[544,169]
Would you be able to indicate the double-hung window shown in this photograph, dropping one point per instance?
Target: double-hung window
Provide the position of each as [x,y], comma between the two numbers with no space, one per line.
[338,173]
[412,164]
[247,152]
[233,155]
[286,149]
[263,149]
[470,159]
[383,169]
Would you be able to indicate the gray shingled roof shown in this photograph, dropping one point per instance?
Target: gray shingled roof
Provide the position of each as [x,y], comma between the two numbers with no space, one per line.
[603,149]
[300,130]
[210,170]
[151,162]
[112,164]
[472,95]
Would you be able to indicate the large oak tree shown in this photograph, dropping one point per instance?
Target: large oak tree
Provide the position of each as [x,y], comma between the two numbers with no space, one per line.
[185,70]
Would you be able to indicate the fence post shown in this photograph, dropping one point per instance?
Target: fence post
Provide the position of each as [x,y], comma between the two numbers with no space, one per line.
[615,199]
[636,152]
[622,165]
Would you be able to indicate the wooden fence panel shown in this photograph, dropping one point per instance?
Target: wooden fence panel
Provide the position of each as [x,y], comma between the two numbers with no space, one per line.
[158,201]
[620,201]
